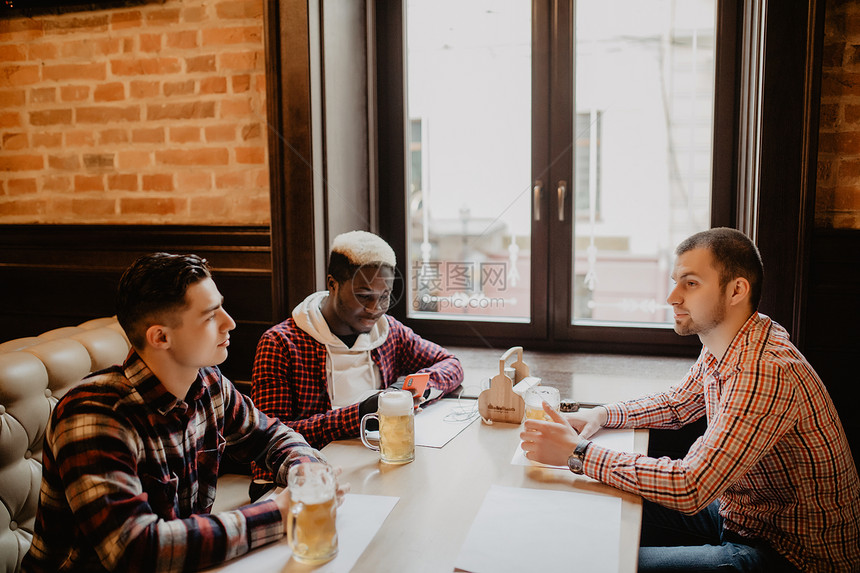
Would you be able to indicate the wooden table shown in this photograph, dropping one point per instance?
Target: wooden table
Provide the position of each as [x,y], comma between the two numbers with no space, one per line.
[442,490]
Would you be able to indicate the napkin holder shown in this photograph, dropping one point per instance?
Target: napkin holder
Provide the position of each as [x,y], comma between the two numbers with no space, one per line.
[503,401]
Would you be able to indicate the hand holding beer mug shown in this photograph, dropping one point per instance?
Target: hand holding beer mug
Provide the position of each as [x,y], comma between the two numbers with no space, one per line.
[536,396]
[311,530]
[396,417]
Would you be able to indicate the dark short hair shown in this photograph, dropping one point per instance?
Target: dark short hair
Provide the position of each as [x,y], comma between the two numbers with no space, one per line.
[342,269]
[152,288]
[734,254]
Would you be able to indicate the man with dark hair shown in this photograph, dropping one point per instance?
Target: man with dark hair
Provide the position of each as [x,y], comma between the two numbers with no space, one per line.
[132,453]
[321,369]
[771,485]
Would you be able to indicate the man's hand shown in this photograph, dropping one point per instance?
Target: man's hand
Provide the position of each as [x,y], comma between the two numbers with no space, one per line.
[549,442]
[586,421]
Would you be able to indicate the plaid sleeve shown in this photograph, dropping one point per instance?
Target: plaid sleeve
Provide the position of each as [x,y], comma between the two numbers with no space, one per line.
[407,353]
[289,383]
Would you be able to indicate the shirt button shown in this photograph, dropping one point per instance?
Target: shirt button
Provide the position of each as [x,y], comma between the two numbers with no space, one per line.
[28,454]
[13,525]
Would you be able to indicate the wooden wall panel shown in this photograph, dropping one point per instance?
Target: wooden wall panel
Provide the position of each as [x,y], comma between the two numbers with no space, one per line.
[61,275]
[832,338]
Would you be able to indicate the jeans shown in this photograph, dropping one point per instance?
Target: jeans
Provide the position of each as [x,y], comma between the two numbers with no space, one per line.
[672,541]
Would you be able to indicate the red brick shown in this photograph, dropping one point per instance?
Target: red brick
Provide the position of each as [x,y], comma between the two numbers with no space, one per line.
[13,98]
[74,93]
[145,66]
[150,42]
[200,64]
[192,14]
[113,136]
[188,110]
[241,83]
[157,182]
[80,138]
[182,40]
[9,119]
[114,91]
[104,114]
[14,76]
[185,134]
[87,23]
[189,181]
[122,182]
[251,131]
[89,183]
[93,207]
[98,161]
[239,9]
[47,139]
[232,180]
[127,160]
[90,48]
[220,132]
[197,157]
[42,51]
[213,85]
[250,155]
[74,72]
[143,90]
[27,206]
[237,107]
[829,116]
[21,186]
[64,162]
[148,135]
[209,206]
[250,60]
[124,20]
[849,169]
[152,205]
[43,95]
[15,141]
[57,183]
[235,35]
[21,162]
[12,53]
[848,142]
[162,17]
[21,29]
[185,87]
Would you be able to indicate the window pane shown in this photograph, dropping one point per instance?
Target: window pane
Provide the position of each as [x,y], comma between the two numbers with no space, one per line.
[644,88]
[469,106]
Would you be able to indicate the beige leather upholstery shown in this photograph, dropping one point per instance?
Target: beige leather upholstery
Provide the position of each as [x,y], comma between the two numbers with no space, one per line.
[35,372]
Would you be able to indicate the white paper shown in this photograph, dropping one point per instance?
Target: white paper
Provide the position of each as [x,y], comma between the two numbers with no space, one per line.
[358,520]
[522,529]
[440,422]
[620,440]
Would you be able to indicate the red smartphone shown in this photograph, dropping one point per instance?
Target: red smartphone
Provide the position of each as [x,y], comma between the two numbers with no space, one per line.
[416,383]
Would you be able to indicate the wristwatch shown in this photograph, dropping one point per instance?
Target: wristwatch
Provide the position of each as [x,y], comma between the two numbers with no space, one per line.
[577,458]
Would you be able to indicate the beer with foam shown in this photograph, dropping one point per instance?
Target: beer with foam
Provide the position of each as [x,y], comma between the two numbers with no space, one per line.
[395,413]
[311,527]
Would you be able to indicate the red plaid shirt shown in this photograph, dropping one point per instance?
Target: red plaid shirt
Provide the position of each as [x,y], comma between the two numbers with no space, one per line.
[774,452]
[130,475]
[289,378]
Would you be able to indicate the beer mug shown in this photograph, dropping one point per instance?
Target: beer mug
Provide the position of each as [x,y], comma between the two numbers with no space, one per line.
[396,417]
[311,529]
[536,396]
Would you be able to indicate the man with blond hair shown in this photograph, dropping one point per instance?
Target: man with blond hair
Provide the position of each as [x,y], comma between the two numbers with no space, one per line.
[322,369]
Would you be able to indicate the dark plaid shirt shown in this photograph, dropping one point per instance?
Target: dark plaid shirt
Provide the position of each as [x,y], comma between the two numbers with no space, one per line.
[289,378]
[130,470]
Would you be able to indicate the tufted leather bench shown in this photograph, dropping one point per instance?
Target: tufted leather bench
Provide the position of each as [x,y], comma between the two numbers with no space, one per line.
[35,372]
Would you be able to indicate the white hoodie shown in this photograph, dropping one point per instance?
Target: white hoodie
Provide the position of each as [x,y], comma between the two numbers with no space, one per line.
[351,374]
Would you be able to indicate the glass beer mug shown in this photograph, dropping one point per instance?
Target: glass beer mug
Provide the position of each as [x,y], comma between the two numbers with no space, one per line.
[536,396]
[311,529]
[396,417]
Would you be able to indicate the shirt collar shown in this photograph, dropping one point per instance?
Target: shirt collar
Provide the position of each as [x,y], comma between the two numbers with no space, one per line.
[153,393]
[732,357]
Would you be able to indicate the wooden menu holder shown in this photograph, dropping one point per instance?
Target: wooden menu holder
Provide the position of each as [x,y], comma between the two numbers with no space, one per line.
[499,402]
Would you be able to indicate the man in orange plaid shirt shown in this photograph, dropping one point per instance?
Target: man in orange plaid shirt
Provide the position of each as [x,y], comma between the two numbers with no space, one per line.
[771,485]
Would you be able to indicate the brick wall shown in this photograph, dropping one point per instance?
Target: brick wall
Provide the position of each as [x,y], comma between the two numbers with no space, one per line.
[147,114]
[837,196]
